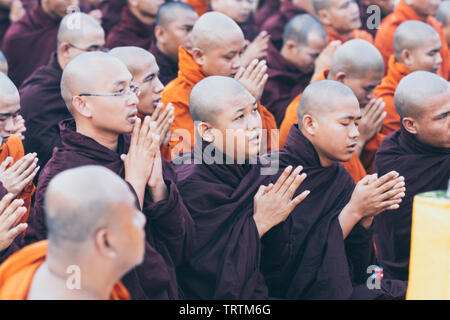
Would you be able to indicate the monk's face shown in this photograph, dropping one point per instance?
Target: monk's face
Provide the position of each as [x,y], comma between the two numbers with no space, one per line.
[304,56]
[427,57]
[223,59]
[151,87]
[177,33]
[58,8]
[424,8]
[238,10]
[147,8]
[343,16]
[386,6]
[237,129]
[363,87]
[433,125]
[9,111]
[336,133]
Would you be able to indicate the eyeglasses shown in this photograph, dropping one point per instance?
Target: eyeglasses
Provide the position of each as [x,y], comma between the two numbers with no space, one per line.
[123,92]
[90,49]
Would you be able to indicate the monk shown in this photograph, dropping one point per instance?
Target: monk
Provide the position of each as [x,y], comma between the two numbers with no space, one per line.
[275,24]
[341,19]
[11,11]
[111,10]
[94,227]
[331,230]
[359,65]
[367,14]
[98,92]
[3,63]
[443,16]
[230,233]
[217,44]
[290,70]
[417,47]
[266,9]
[420,10]
[41,103]
[420,151]
[173,28]
[135,27]
[144,69]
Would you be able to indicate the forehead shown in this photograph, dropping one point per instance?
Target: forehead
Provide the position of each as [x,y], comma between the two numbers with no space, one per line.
[92,34]
[230,38]
[342,106]
[431,43]
[438,103]
[371,77]
[9,103]
[232,103]
[316,42]
[112,74]
[181,16]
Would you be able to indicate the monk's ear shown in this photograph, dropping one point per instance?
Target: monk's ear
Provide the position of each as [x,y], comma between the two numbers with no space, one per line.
[290,45]
[341,77]
[64,50]
[406,57]
[105,244]
[159,34]
[79,104]
[199,56]
[410,125]
[205,130]
[309,124]
[324,17]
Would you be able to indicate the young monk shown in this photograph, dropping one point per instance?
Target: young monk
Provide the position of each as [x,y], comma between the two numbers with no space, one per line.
[225,261]
[173,28]
[420,151]
[417,47]
[359,65]
[420,10]
[144,69]
[367,15]
[331,230]
[290,70]
[443,16]
[341,20]
[98,91]
[136,25]
[42,106]
[93,224]
[217,44]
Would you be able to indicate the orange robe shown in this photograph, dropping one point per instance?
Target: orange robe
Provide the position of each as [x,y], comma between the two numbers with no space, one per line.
[177,92]
[200,6]
[386,90]
[14,148]
[384,39]
[165,151]
[356,34]
[17,272]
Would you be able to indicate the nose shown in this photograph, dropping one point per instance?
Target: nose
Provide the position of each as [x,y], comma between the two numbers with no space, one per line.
[354,132]
[255,121]
[9,125]
[439,58]
[159,87]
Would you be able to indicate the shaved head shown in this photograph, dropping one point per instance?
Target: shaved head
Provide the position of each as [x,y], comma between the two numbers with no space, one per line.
[80,201]
[322,4]
[412,34]
[443,13]
[207,98]
[133,57]
[211,28]
[356,58]
[301,27]
[76,26]
[7,87]
[167,12]
[415,89]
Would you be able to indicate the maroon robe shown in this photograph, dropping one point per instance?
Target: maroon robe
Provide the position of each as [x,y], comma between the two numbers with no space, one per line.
[169,229]
[276,23]
[130,32]
[249,28]
[323,265]
[425,168]
[29,42]
[42,108]
[4,16]
[111,10]
[267,8]
[168,69]
[285,82]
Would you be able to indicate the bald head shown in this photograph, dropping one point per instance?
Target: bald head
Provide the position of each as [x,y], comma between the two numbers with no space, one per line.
[322,4]
[167,13]
[76,26]
[415,89]
[301,27]
[356,58]
[133,57]
[320,98]
[412,34]
[211,28]
[7,87]
[207,98]
[80,201]
[443,13]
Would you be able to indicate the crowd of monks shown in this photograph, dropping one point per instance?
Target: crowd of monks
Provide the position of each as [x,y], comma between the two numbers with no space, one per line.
[218,149]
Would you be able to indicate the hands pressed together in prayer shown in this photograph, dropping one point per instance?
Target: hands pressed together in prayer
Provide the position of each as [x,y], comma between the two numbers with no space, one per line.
[164,119]
[274,203]
[20,174]
[11,213]
[323,61]
[257,49]
[254,77]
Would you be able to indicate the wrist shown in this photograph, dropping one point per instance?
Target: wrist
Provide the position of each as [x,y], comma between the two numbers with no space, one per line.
[366,222]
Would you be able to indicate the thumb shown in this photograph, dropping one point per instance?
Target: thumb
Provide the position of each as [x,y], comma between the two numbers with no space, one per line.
[5,164]
[123,157]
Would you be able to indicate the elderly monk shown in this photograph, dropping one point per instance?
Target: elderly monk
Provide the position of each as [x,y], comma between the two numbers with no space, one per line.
[98,91]
[420,10]
[416,47]
[136,25]
[42,105]
[94,226]
[331,230]
[217,45]
[226,259]
[443,16]
[36,29]
[144,69]
[111,10]
[368,15]
[173,28]
[290,70]
[359,65]
[420,151]
[276,23]
[3,63]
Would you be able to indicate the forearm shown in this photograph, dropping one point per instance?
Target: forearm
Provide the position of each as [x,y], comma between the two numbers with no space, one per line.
[348,218]
[139,189]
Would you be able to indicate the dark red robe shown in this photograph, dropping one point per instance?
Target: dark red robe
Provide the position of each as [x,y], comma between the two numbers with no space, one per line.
[4,16]
[169,228]
[266,9]
[111,10]
[425,168]
[130,32]
[168,69]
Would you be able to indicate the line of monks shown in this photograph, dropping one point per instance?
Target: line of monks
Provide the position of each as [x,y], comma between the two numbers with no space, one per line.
[223,149]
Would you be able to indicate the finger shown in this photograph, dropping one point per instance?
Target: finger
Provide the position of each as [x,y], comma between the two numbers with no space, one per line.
[299,198]
[17,216]
[282,178]
[387,177]
[16,203]
[29,169]
[135,133]
[250,69]
[389,185]
[14,232]
[28,179]
[30,158]
[260,192]
[157,111]
[289,181]
[240,73]
[5,202]
[259,71]
[5,164]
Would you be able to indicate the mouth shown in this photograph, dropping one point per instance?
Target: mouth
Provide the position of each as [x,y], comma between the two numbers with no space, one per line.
[132,117]
[255,139]
[157,101]
[351,147]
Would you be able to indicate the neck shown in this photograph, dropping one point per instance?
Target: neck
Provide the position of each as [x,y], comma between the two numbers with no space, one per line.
[161,48]
[105,138]
[62,63]
[142,18]
[324,160]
